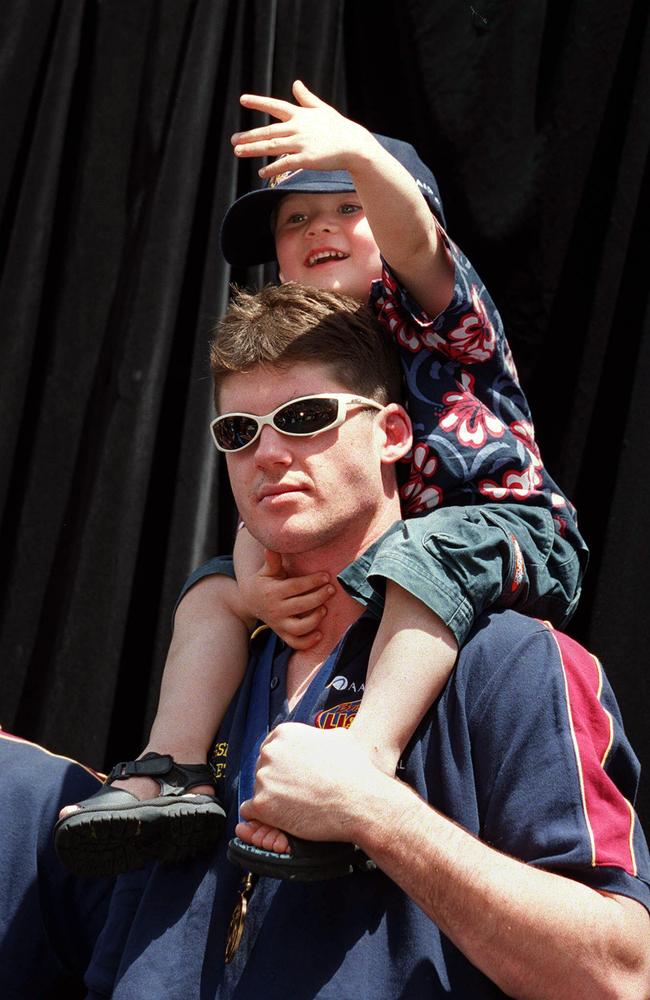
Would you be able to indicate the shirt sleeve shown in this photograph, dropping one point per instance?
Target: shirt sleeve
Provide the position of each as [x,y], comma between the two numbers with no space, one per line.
[216,566]
[474,439]
[556,777]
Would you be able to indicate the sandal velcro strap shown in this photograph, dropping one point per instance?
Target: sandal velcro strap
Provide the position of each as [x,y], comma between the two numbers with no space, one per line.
[174,779]
[150,766]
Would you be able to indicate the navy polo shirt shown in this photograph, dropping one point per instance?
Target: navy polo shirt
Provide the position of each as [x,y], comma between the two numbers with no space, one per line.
[524,749]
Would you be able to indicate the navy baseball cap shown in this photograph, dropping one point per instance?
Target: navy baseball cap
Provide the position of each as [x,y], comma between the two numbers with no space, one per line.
[246,234]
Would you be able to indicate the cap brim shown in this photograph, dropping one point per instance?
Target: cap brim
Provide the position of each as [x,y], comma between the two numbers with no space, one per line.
[246,235]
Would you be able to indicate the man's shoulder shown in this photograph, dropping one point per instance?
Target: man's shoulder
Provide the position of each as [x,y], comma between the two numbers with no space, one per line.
[498,630]
[503,643]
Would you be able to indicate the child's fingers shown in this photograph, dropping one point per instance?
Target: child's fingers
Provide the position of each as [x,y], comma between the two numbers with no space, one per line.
[307,602]
[295,585]
[303,641]
[285,162]
[269,105]
[301,624]
[265,132]
[273,565]
[281,146]
[305,97]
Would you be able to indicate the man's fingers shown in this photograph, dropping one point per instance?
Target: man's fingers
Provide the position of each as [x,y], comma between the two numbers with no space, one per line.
[304,96]
[269,105]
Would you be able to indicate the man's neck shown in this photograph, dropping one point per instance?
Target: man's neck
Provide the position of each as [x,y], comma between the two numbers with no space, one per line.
[342,610]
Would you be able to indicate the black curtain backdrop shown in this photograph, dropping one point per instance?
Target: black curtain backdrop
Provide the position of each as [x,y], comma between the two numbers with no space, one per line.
[115,172]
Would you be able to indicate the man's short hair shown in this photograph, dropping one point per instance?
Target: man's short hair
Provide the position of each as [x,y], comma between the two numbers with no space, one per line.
[284,324]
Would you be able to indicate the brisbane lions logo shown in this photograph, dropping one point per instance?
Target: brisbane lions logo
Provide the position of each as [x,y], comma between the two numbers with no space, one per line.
[339,716]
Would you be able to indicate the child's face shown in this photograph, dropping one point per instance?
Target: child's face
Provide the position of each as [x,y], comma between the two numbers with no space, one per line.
[324,240]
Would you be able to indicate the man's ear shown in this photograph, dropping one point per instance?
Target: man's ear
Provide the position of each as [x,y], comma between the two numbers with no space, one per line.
[395,426]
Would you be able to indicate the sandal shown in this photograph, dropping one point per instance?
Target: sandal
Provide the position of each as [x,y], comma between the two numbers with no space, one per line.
[113,831]
[309,861]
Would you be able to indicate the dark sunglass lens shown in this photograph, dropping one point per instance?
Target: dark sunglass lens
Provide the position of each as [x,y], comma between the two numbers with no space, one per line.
[306,416]
[234,432]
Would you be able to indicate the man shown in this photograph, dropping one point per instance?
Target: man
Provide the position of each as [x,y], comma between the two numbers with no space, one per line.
[507,857]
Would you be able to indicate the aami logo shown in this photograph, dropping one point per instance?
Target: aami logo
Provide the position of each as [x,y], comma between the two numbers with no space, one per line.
[341,683]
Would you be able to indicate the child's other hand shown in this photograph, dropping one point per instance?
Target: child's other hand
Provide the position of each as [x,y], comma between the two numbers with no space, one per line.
[310,134]
[292,606]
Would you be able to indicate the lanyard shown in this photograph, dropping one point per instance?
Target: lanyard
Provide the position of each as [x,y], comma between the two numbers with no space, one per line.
[259,707]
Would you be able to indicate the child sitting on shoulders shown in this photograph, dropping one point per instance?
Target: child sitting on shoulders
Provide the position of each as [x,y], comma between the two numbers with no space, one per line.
[348,211]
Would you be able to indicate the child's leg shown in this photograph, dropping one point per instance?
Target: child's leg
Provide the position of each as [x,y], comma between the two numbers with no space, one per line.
[205,664]
[410,662]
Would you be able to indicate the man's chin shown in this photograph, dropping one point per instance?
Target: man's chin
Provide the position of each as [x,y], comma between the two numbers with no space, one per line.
[291,537]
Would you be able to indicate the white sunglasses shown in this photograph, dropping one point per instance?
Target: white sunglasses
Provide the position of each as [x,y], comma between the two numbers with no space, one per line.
[301,417]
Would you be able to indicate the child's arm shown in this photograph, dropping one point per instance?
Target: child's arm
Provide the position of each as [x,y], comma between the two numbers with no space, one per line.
[292,606]
[313,135]
[199,680]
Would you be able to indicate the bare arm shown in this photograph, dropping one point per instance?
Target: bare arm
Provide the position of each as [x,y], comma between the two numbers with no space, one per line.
[205,663]
[313,135]
[534,933]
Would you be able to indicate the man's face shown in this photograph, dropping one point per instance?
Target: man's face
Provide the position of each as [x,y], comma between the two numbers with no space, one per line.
[298,494]
[324,240]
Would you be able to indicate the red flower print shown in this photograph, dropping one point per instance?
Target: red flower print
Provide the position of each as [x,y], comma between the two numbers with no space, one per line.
[472,341]
[560,525]
[524,431]
[393,318]
[417,494]
[467,416]
[514,484]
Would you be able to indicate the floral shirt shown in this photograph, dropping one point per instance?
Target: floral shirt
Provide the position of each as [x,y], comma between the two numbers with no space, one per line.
[474,441]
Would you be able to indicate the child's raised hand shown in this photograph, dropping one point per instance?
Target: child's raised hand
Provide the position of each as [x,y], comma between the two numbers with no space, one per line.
[310,135]
[292,606]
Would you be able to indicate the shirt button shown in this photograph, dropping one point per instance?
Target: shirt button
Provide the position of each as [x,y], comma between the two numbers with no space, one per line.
[274,682]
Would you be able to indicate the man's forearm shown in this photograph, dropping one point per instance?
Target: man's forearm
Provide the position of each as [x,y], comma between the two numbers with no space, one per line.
[534,933]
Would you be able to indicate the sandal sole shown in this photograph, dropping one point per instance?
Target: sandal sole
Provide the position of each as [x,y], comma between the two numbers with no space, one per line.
[326,862]
[110,842]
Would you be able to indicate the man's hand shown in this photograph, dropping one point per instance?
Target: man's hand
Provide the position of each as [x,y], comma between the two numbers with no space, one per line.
[310,135]
[311,783]
[292,606]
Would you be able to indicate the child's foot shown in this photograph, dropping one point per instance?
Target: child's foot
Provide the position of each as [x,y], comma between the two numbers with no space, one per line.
[114,831]
[141,787]
[265,850]
[268,838]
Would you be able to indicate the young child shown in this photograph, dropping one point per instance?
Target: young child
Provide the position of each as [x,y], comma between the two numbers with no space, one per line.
[347,211]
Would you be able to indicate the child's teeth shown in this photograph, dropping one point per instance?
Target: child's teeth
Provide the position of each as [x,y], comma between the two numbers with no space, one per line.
[331,254]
